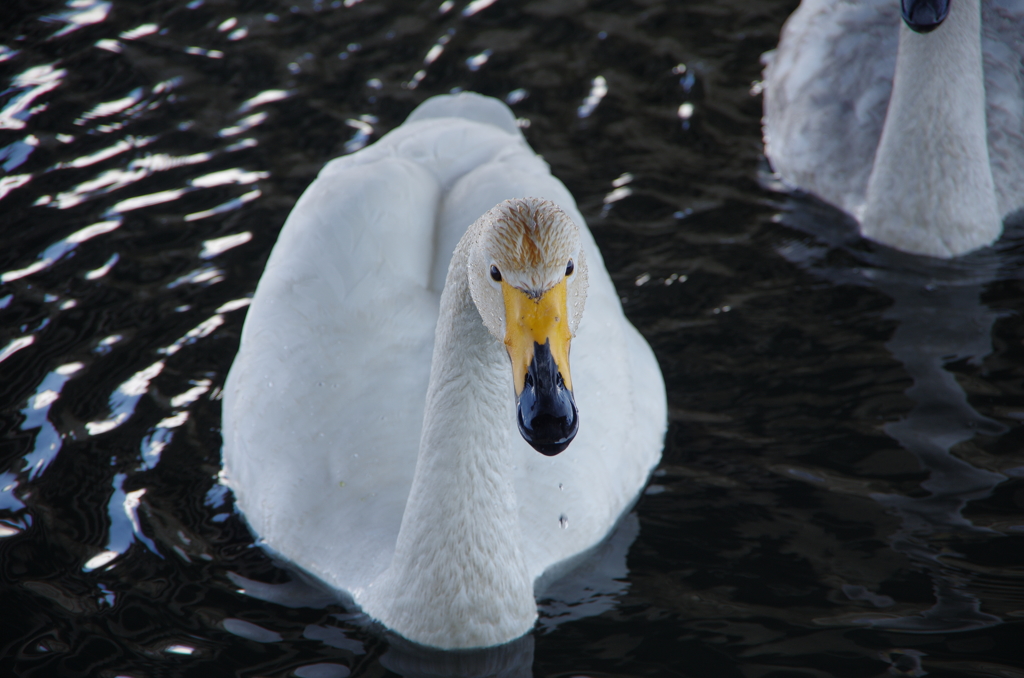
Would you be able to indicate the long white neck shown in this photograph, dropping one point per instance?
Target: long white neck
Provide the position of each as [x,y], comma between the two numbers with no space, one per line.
[931,190]
[458,578]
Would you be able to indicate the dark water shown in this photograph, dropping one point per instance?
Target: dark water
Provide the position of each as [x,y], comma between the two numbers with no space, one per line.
[842,485]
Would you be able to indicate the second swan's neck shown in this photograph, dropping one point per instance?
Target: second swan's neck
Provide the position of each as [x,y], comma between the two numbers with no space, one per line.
[931,190]
[458,578]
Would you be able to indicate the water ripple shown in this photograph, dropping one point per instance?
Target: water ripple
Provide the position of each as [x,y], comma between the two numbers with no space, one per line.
[783,465]
[48,440]
[141,201]
[477,6]
[115,179]
[229,176]
[139,32]
[117,148]
[80,13]
[598,91]
[16,153]
[244,125]
[9,183]
[200,51]
[28,87]
[230,205]
[108,108]
[61,248]
[212,248]
[265,97]
[16,345]
[123,401]
[98,273]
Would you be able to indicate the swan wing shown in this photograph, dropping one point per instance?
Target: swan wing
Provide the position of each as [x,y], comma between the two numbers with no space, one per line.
[1003,48]
[324,402]
[826,90]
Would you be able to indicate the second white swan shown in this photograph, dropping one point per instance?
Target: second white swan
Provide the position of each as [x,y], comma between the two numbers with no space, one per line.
[913,125]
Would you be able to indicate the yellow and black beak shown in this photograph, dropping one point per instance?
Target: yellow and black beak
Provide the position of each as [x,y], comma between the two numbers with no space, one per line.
[537,337]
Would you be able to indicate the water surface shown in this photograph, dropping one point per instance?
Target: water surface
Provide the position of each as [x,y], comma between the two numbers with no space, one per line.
[842,484]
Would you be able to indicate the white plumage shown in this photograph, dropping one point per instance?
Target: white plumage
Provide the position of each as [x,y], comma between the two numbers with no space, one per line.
[948,107]
[324,404]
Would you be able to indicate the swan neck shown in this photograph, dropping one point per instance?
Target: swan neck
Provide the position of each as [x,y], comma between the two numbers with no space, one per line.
[459,578]
[931,190]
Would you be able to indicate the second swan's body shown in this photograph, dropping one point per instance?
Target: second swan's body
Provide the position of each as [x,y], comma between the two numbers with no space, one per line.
[919,134]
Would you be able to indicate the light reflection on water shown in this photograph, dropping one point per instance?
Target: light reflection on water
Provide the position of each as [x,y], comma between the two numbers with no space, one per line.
[843,462]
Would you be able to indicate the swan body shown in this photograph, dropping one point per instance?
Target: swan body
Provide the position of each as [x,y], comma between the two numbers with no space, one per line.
[920,136]
[370,416]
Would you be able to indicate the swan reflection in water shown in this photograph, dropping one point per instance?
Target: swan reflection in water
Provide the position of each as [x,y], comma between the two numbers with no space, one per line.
[512,660]
[940,319]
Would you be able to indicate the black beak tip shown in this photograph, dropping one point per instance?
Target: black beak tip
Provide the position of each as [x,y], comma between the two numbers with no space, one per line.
[552,449]
[550,434]
[545,409]
[924,16]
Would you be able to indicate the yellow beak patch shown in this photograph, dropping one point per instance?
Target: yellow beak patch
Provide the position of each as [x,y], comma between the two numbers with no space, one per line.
[529,321]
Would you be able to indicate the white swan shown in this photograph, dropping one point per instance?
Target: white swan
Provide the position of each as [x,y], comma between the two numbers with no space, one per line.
[919,135]
[437,519]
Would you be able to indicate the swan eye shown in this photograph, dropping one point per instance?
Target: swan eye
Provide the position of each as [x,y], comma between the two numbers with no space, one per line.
[495,274]
[569,268]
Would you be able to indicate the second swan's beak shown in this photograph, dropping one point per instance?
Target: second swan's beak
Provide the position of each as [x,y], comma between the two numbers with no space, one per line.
[537,339]
[924,16]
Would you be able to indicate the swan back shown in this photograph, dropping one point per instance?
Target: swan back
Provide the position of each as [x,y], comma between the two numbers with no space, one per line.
[826,91]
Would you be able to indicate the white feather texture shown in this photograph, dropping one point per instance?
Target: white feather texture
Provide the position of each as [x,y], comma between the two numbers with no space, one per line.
[324,407]
[919,136]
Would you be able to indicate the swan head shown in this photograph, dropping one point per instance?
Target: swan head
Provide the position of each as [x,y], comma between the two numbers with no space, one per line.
[528,279]
[924,16]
